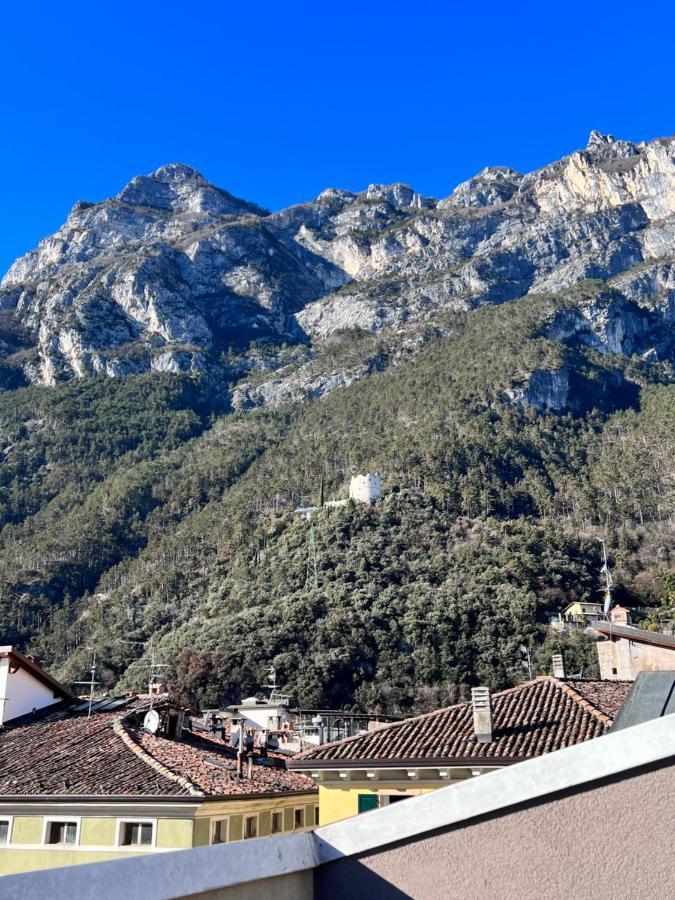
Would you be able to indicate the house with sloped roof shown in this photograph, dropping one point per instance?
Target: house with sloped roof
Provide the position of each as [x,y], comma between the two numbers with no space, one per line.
[624,650]
[25,686]
[133,775]
[459,742]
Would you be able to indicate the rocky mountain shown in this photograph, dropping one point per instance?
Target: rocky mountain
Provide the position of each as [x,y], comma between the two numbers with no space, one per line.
[177,275]
[503,357]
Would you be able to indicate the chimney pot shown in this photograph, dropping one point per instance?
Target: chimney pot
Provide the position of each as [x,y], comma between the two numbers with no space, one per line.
[482,714]
[558,666]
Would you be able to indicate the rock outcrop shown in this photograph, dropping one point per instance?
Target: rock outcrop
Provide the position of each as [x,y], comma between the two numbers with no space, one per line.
[175,274]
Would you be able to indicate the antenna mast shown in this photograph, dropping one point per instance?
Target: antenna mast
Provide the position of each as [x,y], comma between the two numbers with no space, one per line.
[609,581]
[92,681]
[153,665]
[272,683]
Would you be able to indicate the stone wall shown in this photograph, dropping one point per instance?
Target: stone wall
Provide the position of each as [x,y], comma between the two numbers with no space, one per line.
[621,658]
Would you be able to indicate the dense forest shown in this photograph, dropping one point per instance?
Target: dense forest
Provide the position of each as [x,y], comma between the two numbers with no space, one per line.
[142,515]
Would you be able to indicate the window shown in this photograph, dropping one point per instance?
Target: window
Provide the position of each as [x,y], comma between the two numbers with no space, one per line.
[219,831]
[251,827]
[299,818]
[316,815]
[136,834]
[368,802]
[5,829]
[394,798]
[277,822]
[61,833]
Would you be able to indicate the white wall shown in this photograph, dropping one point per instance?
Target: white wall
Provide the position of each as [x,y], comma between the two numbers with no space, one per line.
[22,692]
[365,488]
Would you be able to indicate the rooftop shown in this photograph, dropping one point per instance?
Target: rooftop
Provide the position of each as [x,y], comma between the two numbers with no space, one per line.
[529,720]
[440,844]
[108,754]
[636,634]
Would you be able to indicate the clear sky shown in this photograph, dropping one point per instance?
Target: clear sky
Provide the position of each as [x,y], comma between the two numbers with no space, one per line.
[277,100]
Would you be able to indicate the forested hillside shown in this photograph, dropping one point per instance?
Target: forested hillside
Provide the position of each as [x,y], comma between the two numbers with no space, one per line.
[180,369]
[139,512]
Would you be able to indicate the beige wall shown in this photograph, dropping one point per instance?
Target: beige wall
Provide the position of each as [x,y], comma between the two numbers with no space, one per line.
[629,658]
[612,841]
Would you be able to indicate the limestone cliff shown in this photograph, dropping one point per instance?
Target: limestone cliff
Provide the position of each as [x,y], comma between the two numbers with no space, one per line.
[176,274]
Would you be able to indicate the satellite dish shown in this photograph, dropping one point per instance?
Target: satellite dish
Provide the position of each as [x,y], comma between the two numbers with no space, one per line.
[151,721]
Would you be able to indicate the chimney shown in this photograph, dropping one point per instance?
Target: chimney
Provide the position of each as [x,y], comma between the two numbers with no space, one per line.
[482,714]
[558,666]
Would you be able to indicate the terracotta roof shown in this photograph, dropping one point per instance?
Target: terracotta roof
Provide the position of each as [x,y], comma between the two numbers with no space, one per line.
[606,696]
[109,755]
[534,718]
[211,765]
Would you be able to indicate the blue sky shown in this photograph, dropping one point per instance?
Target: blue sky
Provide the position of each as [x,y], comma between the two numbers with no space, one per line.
[275,101]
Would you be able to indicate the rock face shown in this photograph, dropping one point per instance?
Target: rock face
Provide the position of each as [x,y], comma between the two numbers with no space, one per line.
[175,274]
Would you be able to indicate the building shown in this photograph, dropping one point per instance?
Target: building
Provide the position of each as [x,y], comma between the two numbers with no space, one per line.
[290,730]
[624,651]
[451,745]
[134,776]
[591,820]
[362,489]
[365,488]
[579,614]
[25,686]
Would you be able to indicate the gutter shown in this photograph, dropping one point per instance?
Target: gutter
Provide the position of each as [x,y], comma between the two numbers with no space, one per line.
[190,800]
[431,762]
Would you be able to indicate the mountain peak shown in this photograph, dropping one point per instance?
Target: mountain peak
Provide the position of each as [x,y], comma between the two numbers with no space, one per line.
[176,172]
[597,139]
[176,187]
[397,194]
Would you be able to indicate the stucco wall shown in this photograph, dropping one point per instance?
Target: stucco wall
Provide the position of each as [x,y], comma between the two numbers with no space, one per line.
[340,800]
[629,658]
[615,840]
[21,693]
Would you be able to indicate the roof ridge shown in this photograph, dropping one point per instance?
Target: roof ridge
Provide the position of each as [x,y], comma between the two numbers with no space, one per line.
[148,759]
[418,718]
[567,688]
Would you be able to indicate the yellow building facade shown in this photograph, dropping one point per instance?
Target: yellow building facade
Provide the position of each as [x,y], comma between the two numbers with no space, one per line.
[40,836]
[358,791]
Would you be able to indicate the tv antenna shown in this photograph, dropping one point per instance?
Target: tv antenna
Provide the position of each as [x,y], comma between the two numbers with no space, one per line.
[154,666]
[609,581]
[526,662]
[151,721]
[91,683]
[272,682]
